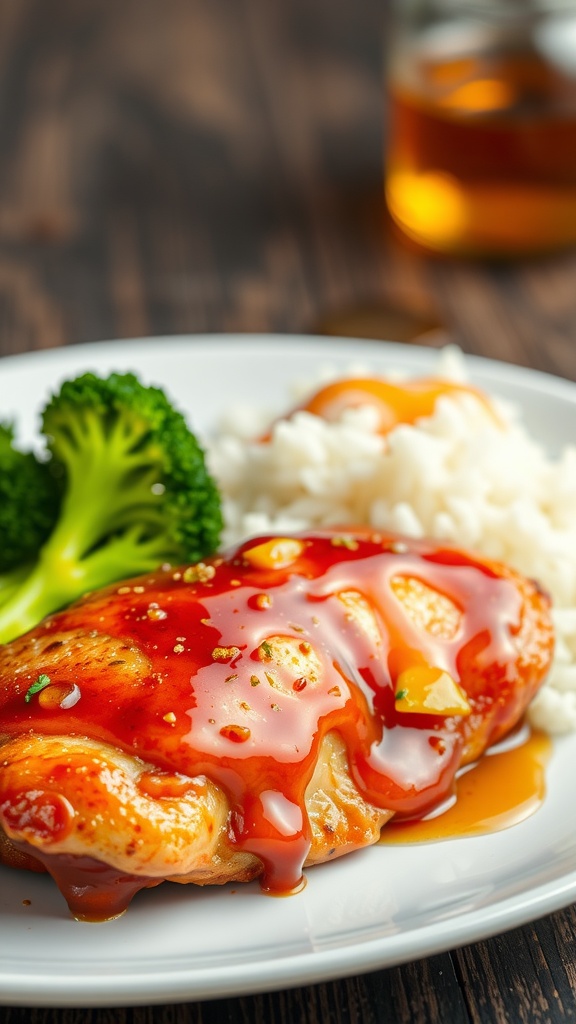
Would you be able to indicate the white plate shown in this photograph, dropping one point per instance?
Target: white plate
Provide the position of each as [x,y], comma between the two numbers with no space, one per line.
[373,909]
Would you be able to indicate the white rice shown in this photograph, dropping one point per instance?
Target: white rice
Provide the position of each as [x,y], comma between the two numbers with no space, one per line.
[456,476]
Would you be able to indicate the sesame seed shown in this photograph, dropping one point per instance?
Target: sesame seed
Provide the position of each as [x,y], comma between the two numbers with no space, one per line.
[225,653]
[200,573]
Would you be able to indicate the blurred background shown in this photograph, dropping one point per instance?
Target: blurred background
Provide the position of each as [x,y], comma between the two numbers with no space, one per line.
[186,165]
[216,165]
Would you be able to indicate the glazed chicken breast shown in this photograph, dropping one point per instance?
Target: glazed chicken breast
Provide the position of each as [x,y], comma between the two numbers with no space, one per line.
[257,713]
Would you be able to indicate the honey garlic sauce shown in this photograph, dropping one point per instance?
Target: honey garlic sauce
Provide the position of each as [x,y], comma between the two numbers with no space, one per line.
[237,672]
[94,891]
[506,786]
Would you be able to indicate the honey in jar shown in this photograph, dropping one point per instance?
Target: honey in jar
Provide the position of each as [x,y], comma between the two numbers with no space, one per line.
[481,145]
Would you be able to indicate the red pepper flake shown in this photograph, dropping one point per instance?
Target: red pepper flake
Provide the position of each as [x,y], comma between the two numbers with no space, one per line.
[236,733]
[304,647]
[230,679]
[438,744]
[263,601]
[299,684]
[335,691]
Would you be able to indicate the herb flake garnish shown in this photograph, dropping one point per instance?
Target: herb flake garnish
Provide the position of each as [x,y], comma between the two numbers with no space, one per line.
[39,684]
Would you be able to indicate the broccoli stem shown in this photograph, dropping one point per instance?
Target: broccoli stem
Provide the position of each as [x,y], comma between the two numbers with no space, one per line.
[69,565]
[55,581]
[28,607]
[11,580]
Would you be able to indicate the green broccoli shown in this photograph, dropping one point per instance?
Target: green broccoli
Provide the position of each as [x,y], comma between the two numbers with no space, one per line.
[11,580]
[29,506]
[136,493]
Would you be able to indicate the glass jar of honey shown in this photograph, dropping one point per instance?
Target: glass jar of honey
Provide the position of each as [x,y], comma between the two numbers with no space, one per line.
[481,132]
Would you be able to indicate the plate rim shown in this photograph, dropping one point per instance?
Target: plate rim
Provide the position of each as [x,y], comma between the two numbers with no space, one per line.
[498,369]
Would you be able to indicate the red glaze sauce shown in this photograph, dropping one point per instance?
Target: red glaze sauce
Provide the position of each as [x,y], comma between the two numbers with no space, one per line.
[94,891]
[214,701]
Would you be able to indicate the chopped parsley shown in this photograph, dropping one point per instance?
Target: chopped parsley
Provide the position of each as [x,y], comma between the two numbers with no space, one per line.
[39,684]
[401,694]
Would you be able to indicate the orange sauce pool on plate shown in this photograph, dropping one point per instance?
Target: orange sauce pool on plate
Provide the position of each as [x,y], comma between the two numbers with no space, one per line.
[506,786]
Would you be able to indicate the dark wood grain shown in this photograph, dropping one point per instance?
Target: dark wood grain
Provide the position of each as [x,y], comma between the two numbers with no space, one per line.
[172,166]
[538,964]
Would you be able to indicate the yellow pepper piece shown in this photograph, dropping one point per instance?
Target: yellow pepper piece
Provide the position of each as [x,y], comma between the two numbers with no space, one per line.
[278,553]
[430,691]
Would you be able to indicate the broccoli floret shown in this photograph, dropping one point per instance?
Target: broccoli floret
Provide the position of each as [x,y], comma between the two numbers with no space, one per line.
[29,505]
[136,493]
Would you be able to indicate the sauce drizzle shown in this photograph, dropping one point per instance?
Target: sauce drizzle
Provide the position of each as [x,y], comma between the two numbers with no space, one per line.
[506,786]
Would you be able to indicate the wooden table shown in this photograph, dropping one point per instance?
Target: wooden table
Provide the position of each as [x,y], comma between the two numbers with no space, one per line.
[175,166]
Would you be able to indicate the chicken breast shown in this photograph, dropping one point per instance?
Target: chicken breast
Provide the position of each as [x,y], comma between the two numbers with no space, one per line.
[257,713]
